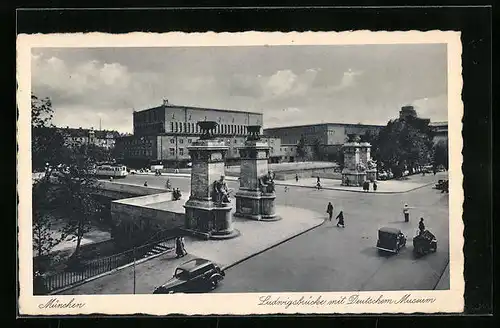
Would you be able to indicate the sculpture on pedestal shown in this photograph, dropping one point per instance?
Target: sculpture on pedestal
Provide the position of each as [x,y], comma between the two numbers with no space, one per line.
[256,196]
[208,209]
[266,183]
[220,194]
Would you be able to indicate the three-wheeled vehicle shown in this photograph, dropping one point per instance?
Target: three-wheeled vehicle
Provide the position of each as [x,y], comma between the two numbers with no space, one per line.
[424,242]
[390,240]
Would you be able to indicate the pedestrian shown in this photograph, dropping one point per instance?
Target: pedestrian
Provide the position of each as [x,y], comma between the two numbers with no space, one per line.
[406,212]
[296,177]
[178,247]
[421,226]
[318,185]
[329,210]
[145,183]
[168,185]
[374,186]
[111,179]
[183,247]
[340,217]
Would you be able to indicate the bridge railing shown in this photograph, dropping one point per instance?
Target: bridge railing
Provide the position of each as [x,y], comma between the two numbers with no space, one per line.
[74,274]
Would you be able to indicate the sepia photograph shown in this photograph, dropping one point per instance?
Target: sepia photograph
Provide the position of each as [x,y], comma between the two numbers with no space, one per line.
[240,173]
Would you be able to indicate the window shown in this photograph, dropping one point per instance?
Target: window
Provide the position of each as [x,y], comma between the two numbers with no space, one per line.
[181,151]
[176,127]
[181,140]
[185,130]
[172,151]
[180,127]
[172,141]
[189,140]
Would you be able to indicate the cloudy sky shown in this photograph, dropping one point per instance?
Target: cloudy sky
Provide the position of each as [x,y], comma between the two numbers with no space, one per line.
[289,84]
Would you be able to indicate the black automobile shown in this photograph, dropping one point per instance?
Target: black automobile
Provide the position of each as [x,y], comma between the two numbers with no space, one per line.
[390,240]
[197,275]
[424,242]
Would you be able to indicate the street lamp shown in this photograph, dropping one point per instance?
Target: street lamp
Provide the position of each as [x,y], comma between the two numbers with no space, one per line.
[134,266]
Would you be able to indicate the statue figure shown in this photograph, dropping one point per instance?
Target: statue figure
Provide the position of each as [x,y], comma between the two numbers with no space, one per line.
[360,167]
[221,191]
[267,183]
[371,164]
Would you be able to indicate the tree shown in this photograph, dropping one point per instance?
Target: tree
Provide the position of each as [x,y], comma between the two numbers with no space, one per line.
[318,151]
[403,144]
[47,143]
[76,187]
[302,150]
[45,236]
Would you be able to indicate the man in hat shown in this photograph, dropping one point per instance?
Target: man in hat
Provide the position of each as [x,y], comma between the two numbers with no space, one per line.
[329,210]
[406,212]
[421,226]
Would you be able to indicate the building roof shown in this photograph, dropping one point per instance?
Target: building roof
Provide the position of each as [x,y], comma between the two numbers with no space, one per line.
[99,134]
[200,108]
[322,124]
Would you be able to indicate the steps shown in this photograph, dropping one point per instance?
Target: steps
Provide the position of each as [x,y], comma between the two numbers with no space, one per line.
[158,249]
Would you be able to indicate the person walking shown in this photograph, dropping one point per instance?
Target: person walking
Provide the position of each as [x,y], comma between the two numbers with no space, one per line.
[178,247]
[374,186]
[183,247]
[340,217]
[168,185]
[329,210]
[296,177]
[145,183]
[421,226]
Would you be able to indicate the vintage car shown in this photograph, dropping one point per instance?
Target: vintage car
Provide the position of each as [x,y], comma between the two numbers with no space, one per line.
[424,242]
[442,185]
[197,275]
[390,240]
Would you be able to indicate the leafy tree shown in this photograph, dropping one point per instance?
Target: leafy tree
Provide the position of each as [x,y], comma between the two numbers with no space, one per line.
[403,144]
[75,200]
[318,150]
[45,236]
[47,143]
[302,149]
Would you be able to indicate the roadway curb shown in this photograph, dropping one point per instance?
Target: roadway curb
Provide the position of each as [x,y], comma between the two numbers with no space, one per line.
[354,190]
[109,272]
[182,175]
[272,246]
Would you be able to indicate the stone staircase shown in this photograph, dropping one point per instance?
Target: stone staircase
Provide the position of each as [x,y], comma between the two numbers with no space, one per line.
[159,248]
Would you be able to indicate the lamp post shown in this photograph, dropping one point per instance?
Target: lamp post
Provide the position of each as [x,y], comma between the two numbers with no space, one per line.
[134,267]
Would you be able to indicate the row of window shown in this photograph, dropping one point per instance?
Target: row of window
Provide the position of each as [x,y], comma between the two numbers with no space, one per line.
[220,129]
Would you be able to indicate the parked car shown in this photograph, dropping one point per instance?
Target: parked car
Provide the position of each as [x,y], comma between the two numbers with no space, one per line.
[193,276]
[390,240]
[424,243]
[382,175]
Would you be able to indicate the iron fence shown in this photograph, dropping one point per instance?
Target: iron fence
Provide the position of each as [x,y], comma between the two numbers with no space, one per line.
[78,273]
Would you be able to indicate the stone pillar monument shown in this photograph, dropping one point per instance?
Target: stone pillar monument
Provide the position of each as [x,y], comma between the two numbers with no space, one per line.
[256,196]
[367,162]
[208,209]
[353,173]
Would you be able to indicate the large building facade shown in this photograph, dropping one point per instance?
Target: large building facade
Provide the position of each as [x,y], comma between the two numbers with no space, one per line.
[331,136]
[78,136]
[164,134]
[440,131]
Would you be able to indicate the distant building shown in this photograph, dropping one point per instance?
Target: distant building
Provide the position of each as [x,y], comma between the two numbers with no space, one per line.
[440,131]
[164,133]
[101,138]
[330,136]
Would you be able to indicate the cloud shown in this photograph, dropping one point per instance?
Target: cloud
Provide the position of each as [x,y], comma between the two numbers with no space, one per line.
[435,108]
[348,80]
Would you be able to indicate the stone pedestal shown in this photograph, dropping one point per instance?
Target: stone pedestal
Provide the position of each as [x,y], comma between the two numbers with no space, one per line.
[353,178]
[204,217]
[251,201]
[371,175]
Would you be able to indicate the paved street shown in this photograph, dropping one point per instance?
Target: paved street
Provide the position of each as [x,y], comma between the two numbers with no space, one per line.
[333,259]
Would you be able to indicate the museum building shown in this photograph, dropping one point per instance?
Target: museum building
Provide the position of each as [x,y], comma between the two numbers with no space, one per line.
[163,133]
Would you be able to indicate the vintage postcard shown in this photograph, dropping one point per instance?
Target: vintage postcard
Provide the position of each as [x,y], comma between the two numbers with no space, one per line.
[240,173]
